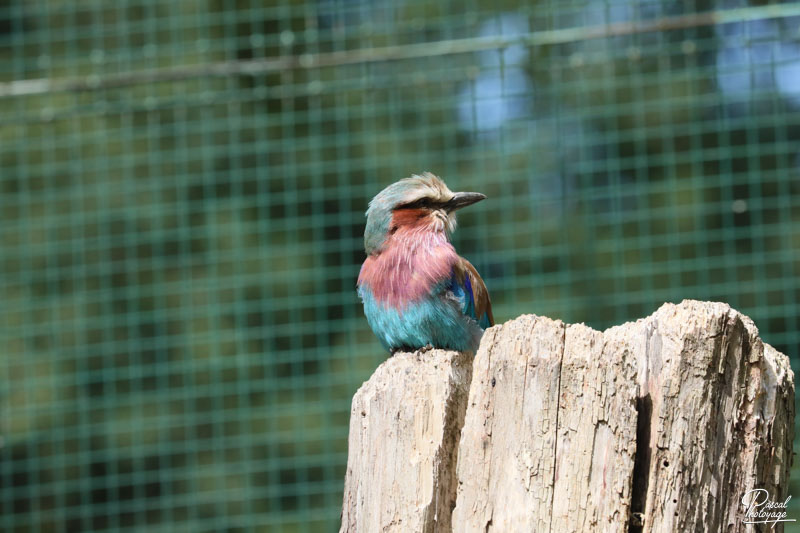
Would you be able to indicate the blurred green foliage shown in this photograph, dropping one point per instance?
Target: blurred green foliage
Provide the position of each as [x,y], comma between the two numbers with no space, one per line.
[180,336]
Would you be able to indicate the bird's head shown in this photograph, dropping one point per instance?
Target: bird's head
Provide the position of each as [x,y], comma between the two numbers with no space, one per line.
[420,201]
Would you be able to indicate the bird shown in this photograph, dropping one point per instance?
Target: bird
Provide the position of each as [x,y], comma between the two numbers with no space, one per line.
[418,293]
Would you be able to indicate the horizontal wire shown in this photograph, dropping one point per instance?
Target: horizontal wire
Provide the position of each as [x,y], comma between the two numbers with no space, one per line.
[256,67]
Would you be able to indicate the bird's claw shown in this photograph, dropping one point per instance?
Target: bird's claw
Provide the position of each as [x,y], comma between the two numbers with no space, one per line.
[419,351]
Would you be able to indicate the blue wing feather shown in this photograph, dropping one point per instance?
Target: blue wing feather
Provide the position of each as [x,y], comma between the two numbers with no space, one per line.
[462,290]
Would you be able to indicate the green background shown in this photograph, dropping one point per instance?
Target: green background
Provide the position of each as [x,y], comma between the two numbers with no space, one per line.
[182,188]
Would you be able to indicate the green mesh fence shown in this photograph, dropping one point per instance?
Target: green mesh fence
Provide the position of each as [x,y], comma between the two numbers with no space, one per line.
[182,188]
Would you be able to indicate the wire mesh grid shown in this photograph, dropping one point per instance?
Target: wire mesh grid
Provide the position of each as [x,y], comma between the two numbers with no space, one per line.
[182,188]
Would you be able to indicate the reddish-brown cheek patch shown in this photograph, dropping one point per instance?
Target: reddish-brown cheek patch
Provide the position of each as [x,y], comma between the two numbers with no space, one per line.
[410,219]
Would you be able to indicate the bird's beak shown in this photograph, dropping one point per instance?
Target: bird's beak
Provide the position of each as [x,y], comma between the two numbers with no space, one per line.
[463,199]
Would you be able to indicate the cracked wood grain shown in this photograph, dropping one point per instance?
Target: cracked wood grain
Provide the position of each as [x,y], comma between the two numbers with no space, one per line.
[404,428]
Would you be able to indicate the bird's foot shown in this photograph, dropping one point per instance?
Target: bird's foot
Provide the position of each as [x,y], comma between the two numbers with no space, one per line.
[428,347]
[407,349]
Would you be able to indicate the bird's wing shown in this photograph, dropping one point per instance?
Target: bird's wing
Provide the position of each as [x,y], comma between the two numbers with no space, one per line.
[467,282]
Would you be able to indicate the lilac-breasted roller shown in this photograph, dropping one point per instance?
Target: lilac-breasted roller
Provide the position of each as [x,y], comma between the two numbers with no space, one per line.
[417,291]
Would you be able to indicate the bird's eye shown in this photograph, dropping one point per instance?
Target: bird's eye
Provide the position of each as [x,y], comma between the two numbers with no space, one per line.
[422,203]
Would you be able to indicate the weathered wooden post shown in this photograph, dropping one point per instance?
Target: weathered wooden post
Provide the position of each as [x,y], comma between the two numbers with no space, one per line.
[405,423]
[664,424]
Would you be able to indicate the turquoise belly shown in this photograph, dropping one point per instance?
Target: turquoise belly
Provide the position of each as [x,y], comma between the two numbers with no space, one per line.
[437,320]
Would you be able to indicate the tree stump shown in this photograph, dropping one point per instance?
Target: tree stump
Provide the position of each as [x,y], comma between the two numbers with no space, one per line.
[664,424]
